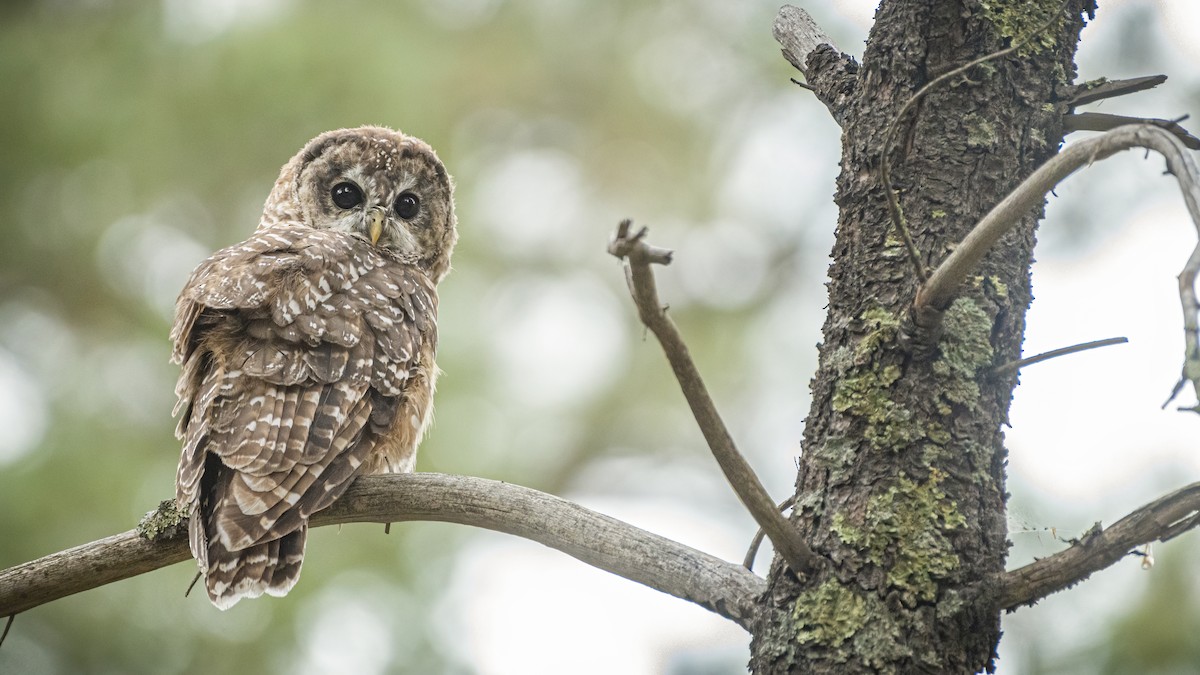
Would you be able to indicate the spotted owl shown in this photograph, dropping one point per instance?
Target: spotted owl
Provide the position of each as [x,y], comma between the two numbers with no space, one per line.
[307,352]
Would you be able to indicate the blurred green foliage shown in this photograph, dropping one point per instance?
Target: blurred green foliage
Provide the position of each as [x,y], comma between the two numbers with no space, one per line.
[138,137]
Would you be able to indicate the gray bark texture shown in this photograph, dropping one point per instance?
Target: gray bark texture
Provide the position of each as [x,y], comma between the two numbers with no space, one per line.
[901,481]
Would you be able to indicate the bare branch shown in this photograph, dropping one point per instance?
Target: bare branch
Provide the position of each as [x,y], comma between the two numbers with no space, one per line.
[799,35]
[757,540]
[639,255]
[1187,294]
[607,543]
[1090,92]
[943,284]
[1094,121]
[1159,520]
[832,76]
[885,164]
[1014,366]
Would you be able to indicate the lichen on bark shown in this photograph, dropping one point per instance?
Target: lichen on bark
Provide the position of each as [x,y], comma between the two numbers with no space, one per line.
[901,480]
[904,528]
[166,518]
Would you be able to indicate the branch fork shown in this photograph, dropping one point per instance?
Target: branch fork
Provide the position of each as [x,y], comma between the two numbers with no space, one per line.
[638,256]
[944,282]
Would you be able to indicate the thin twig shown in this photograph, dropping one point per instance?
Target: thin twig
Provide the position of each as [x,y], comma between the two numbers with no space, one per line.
[802,85]
[638,255]
[885,164]
[1014,366]
[1157,521]
[796,31]
[7,625]
[1090,92]
[607,543]
[756,542]
[1094,121]
[943,284]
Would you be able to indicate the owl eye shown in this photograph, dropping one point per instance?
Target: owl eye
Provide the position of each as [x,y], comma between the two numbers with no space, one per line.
[407,206]
[346,195]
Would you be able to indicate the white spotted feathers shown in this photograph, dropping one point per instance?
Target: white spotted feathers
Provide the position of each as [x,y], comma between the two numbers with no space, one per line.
[307,356]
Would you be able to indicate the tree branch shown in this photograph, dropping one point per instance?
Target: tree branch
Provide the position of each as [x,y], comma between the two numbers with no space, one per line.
[757,540]
[895,210]
[639,255]
[1090,92]
[598,540]
[1014,366]
[942,286]
[1093,121]
[799,35]
[831,75]
[1160,520]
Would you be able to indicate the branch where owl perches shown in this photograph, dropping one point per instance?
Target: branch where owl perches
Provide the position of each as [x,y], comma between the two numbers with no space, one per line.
[638,256]
[612,545]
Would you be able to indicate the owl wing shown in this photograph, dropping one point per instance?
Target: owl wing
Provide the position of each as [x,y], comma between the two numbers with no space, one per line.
[296,347]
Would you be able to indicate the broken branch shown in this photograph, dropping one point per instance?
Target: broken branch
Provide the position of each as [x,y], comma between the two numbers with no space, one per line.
[638,255]
[832,76]
[1160,520]
[1090,92]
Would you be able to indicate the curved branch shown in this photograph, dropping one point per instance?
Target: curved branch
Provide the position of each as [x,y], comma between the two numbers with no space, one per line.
[598,540]
[1014,366]
[945,281]
[1163,519]
[943,284]
[889,138]
[1094,121]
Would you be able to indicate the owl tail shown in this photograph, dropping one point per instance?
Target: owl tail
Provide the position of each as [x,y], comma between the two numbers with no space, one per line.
[272,567]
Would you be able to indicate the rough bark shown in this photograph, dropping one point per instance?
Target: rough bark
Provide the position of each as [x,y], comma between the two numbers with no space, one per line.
[901,480]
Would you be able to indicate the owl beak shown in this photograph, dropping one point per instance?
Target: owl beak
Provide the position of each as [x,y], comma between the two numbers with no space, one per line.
[375,218]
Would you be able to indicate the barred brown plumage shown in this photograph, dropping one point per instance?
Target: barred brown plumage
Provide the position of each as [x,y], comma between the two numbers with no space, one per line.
[307,353]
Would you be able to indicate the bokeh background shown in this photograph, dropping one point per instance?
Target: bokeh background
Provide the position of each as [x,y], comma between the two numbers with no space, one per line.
[137,137]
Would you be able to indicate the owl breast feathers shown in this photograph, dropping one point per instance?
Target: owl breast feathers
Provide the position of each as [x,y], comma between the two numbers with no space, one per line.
[308,352]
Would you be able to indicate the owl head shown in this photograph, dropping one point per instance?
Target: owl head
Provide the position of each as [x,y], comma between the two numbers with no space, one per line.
[374,183]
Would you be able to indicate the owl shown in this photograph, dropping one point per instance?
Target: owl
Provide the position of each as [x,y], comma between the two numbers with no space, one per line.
[307,352]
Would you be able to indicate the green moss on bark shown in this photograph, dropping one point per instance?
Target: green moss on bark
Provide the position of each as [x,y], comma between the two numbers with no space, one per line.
[161,521]
[828,615]
[906,524]
[1018,19]
[864,388]
[832,617]
[965,349]
[981,133]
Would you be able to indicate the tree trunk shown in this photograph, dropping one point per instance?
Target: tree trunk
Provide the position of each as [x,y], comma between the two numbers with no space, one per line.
[901,480]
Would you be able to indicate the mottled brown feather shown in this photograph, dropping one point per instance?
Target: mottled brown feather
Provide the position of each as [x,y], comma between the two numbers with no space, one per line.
[292,415]
[307,355]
